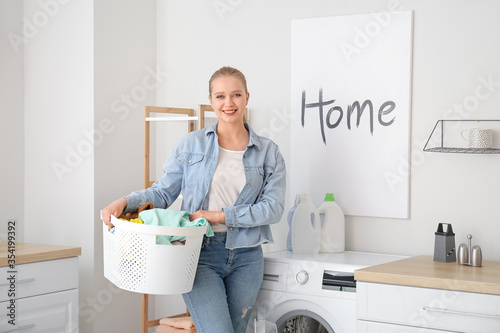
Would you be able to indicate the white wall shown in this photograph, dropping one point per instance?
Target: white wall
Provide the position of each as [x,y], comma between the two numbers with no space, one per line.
[454,45]
[453,48]
[89,69]
[80,66]
[12,117]
[58,99]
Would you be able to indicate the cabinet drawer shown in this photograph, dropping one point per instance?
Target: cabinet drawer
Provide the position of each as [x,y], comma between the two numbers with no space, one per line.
[39,278]
[373,327]
[51,313]
[429,308]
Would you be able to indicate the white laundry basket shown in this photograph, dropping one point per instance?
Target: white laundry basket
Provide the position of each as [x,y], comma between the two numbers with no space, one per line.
[134,262]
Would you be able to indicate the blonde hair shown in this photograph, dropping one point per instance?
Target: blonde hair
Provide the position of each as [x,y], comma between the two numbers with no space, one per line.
[227,71]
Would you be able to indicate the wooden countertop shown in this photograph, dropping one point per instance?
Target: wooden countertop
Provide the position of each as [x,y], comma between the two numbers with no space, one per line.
[27,252]
[422,271]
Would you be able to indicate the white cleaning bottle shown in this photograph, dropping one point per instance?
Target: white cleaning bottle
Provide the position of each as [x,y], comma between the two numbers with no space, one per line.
[332,225]
[306,227]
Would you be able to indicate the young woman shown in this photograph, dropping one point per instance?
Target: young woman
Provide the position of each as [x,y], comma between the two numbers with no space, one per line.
[234,179]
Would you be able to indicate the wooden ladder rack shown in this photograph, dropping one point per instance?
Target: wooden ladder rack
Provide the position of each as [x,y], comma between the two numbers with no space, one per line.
[185,114]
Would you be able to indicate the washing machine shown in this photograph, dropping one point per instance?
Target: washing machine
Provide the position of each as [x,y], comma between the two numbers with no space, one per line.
[310,293]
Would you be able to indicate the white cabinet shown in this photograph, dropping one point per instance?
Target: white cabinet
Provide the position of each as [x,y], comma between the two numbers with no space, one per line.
[394,308]
[50,313]
[44,295]
[374,327]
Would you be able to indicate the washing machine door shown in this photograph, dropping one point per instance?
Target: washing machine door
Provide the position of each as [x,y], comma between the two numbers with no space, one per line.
[302,321]
[302,316]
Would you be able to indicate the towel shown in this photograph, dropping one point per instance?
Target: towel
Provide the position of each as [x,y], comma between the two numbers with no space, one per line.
[170,329]
[172,218]
[185,323]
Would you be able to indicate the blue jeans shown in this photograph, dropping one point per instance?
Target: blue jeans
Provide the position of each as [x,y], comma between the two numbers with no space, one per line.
[225,286]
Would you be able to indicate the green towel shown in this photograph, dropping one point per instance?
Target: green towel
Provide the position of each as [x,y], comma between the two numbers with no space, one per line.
[172,218]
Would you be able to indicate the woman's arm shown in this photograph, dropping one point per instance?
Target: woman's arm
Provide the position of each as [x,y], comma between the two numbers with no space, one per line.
[164,191]
[161,194]
[209,215]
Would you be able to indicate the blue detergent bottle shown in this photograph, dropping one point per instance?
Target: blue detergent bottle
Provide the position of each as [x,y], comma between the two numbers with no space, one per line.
[289,219]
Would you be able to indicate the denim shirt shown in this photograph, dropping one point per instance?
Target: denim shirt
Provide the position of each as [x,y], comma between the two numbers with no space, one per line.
[189,169]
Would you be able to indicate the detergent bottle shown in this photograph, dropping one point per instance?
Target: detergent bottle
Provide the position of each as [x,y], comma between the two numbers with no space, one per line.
[289,219]
[306,227]
[332,225]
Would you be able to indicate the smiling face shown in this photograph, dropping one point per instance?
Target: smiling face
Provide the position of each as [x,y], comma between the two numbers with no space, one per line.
[229,98]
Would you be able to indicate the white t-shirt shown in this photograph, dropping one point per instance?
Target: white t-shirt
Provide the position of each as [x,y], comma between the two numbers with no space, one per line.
[227,183]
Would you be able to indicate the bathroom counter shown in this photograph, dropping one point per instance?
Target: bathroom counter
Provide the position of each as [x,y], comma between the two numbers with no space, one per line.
[28,252]
[422,271]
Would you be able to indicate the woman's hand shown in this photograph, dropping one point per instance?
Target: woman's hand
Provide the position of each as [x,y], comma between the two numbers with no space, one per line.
[209,215]
[116,208]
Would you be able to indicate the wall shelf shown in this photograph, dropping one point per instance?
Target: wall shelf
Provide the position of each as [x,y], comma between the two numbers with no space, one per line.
[463,150]
[439,132]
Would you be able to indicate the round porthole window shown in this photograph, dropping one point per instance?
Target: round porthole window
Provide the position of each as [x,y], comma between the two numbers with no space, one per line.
[302,321]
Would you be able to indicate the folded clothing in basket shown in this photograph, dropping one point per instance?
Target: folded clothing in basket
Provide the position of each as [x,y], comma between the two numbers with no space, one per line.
[112,228]
[172,218]
[129,216]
